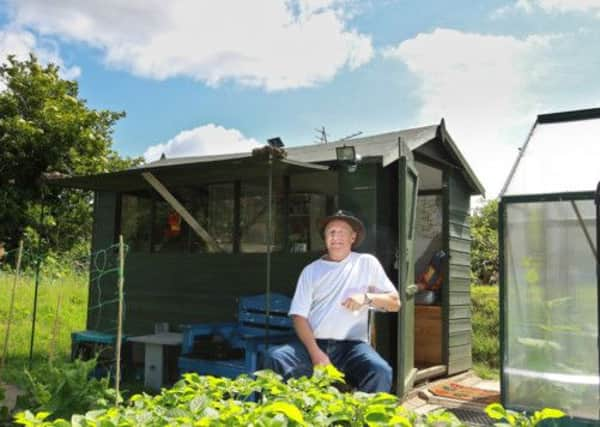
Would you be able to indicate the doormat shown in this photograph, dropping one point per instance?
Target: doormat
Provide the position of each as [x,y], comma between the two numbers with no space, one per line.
[466,393]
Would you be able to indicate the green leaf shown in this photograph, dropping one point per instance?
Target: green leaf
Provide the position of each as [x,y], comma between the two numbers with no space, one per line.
[289,410]
[495,411]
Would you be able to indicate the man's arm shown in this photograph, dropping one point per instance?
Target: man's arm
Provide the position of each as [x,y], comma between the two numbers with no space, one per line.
[389,301]
[306,336]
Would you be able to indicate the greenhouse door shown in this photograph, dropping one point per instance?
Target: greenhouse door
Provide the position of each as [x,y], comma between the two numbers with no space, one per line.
[407,200]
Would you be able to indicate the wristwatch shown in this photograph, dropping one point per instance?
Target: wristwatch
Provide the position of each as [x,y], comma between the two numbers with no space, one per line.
[368,300]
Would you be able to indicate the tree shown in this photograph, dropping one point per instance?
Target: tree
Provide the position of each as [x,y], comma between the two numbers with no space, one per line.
[45,127]
[484,243]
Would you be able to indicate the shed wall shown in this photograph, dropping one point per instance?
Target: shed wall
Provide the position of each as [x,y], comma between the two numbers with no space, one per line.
[457,294]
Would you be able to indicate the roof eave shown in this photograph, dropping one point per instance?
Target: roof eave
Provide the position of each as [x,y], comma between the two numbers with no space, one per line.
[476,187]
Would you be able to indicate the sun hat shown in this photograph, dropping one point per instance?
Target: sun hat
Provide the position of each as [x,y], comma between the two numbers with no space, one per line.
[347,216]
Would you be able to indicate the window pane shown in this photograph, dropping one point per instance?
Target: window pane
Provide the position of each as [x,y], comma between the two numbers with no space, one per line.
[254,217]
[136,222]
[215,213]
[169,232]
[312,196]
[304,211]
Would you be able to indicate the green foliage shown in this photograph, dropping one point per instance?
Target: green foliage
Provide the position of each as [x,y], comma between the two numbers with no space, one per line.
[52,338]
[511,418]
[64,389]
[46,128]
[484,243]
[486,327]
[263,401]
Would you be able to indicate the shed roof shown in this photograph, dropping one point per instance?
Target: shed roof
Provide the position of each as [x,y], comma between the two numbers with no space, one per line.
[383,145]
[560,155]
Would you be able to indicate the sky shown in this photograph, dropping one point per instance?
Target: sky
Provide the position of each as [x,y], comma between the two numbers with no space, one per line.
[200,77]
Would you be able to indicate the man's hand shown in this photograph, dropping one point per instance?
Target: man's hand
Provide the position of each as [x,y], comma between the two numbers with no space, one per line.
[320,358]
[355,302]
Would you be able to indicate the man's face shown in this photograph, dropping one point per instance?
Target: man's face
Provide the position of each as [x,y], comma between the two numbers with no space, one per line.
[339,237]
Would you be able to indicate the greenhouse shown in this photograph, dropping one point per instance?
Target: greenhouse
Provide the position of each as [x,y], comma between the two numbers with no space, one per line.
[549,283]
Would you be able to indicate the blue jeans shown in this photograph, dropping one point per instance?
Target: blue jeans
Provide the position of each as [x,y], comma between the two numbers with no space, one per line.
[364,368]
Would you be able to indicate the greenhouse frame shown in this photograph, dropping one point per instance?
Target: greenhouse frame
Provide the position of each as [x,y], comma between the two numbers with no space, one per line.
[549,269]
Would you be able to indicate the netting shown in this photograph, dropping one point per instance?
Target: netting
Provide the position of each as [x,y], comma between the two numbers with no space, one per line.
[46,298]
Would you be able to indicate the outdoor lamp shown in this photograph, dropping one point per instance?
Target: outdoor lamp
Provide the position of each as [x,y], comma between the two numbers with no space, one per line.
[275,142]
[346,155]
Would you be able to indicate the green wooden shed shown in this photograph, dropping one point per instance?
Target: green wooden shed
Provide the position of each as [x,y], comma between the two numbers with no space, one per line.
[196,229]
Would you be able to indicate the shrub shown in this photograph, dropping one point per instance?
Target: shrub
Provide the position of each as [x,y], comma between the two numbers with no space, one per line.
[486,325]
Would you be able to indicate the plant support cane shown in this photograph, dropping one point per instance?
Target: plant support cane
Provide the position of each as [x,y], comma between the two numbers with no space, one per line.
[119,319]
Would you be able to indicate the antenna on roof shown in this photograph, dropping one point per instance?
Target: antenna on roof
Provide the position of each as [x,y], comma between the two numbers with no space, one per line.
[351,136]
[321,135]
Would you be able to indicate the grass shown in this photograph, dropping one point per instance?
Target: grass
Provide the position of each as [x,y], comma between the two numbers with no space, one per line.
[53,328]
[486,331]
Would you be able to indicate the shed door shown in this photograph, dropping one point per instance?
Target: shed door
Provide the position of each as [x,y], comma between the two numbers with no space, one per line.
[408,182]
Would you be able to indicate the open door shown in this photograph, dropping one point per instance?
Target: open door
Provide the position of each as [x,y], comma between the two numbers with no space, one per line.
[408,182]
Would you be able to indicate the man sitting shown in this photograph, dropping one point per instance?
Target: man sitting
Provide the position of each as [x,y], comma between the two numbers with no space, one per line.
[330,310]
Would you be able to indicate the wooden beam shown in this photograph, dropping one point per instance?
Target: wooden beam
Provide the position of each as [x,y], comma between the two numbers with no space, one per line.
[181,210]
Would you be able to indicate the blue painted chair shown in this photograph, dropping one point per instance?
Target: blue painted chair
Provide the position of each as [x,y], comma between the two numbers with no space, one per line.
[245,340]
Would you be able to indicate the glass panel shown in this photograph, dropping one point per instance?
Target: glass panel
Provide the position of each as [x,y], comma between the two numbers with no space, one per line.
[313,196]
[428,230]
[304,212]
[569,147]
[170,233]
[411,192]
[254,216]
[136,217]
[551,307]
[219,222]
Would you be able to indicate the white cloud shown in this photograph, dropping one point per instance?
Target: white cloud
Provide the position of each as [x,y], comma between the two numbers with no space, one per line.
[21,43]
[568,5]
[204,140]
[481,85]
[550,6]
[275,44]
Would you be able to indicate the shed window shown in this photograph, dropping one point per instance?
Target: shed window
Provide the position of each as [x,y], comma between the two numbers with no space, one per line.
[214,210]
[254,216]
[136,220]
[311,197]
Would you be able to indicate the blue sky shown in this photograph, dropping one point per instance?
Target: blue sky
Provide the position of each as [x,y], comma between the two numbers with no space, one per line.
[204,77]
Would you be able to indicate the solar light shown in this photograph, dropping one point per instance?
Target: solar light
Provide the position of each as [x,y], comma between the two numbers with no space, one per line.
[275,142]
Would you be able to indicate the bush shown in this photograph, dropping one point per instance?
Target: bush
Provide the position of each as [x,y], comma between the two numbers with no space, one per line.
[486,326]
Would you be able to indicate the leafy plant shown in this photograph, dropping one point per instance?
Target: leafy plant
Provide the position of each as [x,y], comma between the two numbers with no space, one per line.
[511,418]
[63,390]
[262,401]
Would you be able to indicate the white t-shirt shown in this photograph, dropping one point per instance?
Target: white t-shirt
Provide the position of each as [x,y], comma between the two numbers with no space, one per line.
[323,286]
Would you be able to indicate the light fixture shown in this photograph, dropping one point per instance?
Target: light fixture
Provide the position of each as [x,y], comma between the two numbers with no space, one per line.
[346,155]
[275,142]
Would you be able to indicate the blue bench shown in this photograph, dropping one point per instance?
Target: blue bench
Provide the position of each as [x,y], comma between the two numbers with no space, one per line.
[242,344]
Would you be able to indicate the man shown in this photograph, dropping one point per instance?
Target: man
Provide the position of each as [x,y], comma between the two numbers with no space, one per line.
[330,310]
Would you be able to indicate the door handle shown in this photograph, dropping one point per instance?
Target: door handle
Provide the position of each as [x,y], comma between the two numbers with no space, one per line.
[411,290]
